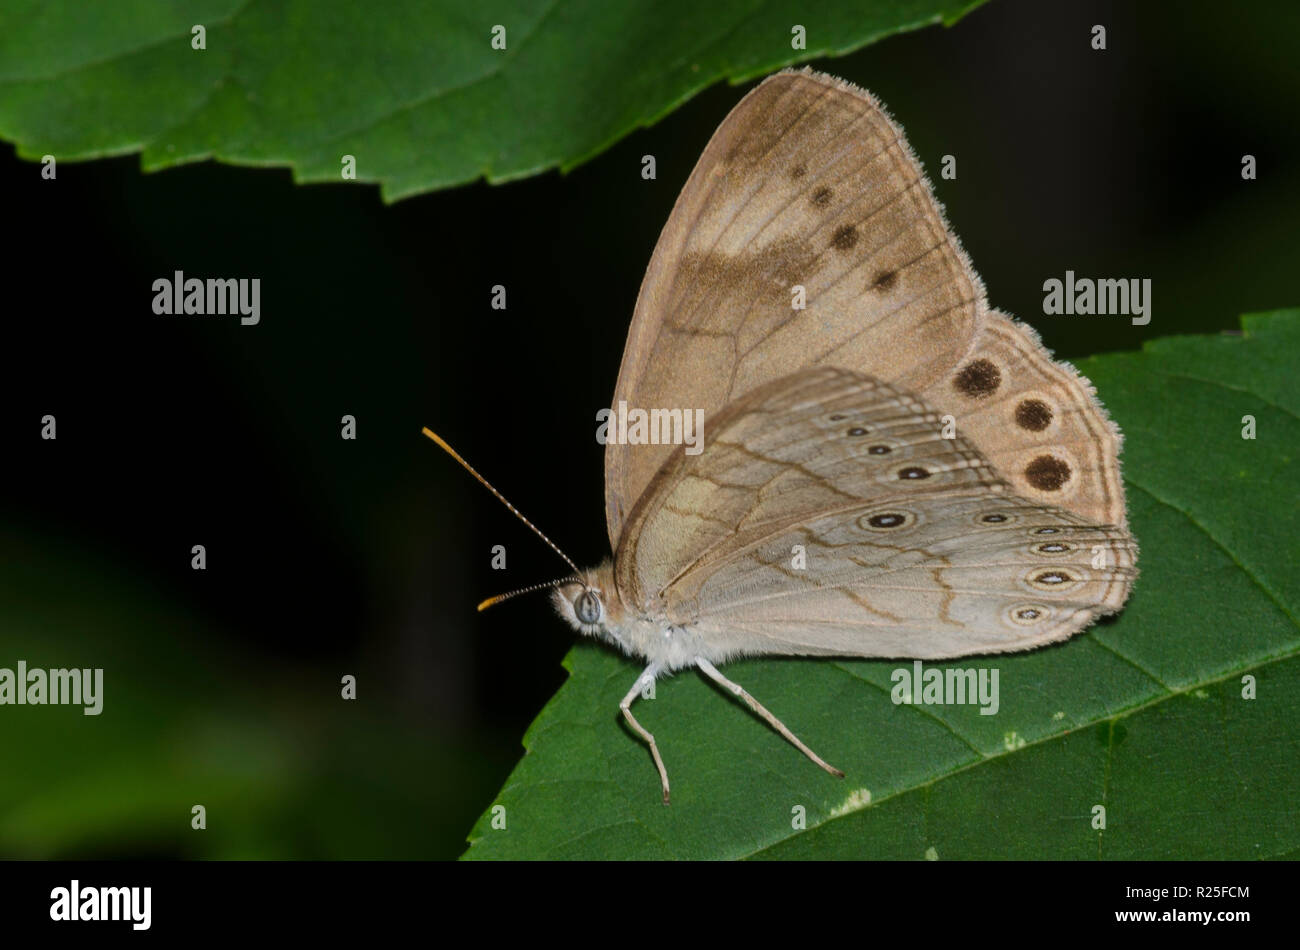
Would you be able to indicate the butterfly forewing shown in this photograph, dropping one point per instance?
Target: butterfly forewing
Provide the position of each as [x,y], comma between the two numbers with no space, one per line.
[806,184]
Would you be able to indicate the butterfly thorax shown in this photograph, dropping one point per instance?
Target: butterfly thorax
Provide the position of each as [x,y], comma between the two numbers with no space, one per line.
[637,632]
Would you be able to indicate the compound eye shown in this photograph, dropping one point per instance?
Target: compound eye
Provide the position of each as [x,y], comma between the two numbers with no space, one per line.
[587,607]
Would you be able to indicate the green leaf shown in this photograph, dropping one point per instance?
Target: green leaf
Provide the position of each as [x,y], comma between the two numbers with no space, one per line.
[1143,715]
[418,95]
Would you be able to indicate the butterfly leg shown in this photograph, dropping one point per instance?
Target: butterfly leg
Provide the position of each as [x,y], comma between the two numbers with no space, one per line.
[642,681]
[712,672]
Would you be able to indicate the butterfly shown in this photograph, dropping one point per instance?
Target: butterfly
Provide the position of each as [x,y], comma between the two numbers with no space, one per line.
[890,469]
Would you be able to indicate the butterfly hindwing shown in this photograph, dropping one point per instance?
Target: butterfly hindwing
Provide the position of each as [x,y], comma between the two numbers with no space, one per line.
[1036,420]
[829,514]
[921,578]
[816,441]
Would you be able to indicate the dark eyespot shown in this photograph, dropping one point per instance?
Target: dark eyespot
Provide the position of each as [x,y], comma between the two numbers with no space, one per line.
[822,197]
[978,378]
[587,607]
[1027,614]
[857,430]
[844,238]
[1047,473]
[837,417]
[885,280]
[880,450]
[798,171]
[1047,531]
[890,520]
[1034,415]
[994,519]
[1052,547]
[914,472]
[1053,577]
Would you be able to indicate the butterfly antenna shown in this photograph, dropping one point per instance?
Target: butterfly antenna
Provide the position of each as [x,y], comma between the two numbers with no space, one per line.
[513,510]
[493,601]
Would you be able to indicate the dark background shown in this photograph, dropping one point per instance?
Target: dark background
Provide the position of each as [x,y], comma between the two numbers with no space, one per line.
[328,557]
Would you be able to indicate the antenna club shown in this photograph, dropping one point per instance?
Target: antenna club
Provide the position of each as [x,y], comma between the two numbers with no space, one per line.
[500,497]
[493,601]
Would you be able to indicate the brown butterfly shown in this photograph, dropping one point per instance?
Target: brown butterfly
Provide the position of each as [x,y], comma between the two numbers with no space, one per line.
[890,470]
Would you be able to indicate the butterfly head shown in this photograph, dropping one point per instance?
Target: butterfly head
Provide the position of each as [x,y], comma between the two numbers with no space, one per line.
[585,602]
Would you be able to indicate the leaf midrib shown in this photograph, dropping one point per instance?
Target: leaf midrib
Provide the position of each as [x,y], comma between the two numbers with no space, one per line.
[1054,737]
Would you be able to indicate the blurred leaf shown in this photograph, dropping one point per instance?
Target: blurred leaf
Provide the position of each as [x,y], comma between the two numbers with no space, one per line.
[1144,714]
[283,766]
[418,95]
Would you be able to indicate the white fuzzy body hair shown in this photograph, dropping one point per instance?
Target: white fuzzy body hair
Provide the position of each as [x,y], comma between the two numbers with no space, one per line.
[652,639]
